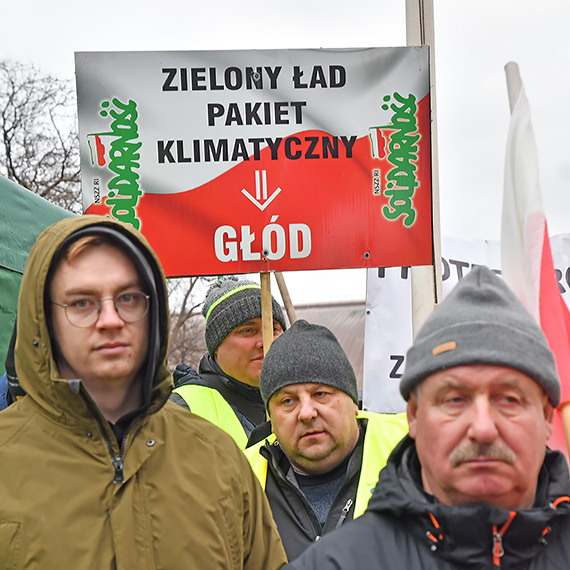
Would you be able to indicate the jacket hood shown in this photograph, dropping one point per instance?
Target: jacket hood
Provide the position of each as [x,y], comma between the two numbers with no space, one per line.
[399,494]
[34,353]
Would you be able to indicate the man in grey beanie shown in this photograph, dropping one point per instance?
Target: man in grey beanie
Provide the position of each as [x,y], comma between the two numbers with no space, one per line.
[322,461]
[474,485]
[226,391]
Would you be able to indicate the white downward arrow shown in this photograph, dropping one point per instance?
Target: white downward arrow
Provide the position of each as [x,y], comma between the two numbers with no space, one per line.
[261,191]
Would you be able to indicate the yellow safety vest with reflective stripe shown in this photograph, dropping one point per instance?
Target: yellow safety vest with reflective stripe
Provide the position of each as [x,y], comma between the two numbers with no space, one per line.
[211,405]
[383,432]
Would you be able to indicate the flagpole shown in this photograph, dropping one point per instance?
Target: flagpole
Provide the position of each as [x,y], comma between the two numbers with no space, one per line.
[426,280]
[266,310]
[289,308]
[514,83]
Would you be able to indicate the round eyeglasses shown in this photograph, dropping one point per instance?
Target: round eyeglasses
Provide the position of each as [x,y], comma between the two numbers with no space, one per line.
[84,311]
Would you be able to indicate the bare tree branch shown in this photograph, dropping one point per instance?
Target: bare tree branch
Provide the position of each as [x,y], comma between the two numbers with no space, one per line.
[38,134]
[187,343]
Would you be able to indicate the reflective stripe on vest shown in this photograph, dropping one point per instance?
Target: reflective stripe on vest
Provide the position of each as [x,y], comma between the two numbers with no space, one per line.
[211,405]
[383,432]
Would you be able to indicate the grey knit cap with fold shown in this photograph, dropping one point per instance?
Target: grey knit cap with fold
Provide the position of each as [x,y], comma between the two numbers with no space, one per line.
[481,321]
[306,353]
[230,302]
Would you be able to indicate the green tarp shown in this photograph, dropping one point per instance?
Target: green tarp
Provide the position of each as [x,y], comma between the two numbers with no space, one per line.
[23,217]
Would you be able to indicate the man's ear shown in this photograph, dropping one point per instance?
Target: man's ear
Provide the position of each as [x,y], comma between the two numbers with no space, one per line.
[268,416]
[411,413]
[548,409]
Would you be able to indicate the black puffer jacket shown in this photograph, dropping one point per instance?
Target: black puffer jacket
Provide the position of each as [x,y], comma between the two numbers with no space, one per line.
[405,528]
[297,523]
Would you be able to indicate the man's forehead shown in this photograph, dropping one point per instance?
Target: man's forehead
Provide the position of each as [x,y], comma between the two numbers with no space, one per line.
[478,377]
[303,386]
[254,321]
[71,271]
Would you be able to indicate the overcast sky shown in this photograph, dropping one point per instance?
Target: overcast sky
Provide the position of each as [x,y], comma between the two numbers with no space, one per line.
[473,42]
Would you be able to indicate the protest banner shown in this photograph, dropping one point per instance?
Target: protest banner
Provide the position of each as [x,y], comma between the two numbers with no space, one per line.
[257,161]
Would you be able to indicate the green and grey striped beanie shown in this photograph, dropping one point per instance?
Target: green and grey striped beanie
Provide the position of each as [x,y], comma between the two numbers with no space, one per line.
[230,302]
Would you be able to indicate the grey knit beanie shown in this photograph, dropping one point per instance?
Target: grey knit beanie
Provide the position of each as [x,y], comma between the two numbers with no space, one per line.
[230,302]
[306,353]
[481,321]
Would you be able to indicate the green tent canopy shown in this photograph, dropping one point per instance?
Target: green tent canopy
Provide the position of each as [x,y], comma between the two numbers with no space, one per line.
[23,217]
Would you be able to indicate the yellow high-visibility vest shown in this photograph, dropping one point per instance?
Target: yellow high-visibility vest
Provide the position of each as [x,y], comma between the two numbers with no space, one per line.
[212,406]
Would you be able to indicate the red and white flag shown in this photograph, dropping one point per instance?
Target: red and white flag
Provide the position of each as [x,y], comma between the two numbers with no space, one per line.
[527,264]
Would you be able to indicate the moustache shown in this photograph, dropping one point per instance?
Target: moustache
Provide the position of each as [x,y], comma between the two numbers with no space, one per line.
[477,450]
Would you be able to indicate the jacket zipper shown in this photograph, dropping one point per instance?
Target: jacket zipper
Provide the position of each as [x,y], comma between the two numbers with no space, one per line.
[117,460]
[344,512]
[498,549]
[118,465]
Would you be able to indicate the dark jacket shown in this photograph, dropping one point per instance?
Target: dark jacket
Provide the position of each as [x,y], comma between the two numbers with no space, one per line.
[296,522]
[406,528]
[245,400]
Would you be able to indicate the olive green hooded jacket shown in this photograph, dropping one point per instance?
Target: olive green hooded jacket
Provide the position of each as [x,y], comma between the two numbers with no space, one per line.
[177,493]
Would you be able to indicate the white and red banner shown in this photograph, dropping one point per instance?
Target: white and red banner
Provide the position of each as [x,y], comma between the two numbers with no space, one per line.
[250,161]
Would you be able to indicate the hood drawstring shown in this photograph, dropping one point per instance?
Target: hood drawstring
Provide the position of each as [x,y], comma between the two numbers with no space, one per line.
[433,537]
[498,550]
[563,499]
[547,530]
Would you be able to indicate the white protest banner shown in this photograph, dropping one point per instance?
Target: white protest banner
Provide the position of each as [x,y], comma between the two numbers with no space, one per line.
[255,161]
[388,328]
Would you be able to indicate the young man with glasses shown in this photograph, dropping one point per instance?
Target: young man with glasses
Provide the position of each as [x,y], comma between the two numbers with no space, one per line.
[102,328]
[99,469]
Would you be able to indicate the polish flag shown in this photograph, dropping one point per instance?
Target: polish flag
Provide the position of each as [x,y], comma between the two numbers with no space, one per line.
[527,264]
[377,142]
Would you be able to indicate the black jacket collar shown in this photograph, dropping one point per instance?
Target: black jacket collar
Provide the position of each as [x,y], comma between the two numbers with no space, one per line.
[463,534]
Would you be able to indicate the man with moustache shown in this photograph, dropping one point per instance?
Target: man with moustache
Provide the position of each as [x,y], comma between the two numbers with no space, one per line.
[474,485]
